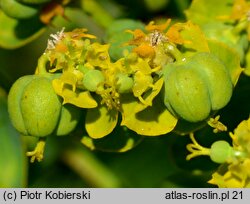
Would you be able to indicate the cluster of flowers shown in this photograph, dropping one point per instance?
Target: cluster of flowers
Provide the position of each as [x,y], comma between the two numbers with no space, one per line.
[234,171]
[91,80]
[130,85]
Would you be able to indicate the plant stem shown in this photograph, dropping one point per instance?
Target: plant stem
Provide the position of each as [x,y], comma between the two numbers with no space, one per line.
[172,49]
[87,166]
[99,14]
[41,67]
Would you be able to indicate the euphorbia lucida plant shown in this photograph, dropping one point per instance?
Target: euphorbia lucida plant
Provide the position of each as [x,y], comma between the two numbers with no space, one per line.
[142,81]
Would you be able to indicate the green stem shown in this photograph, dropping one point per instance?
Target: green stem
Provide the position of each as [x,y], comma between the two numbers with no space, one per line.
[100,15]
[41,66]
[87,166]
[172,50]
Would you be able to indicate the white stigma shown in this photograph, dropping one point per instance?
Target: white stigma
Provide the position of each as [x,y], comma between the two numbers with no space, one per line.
[55,39]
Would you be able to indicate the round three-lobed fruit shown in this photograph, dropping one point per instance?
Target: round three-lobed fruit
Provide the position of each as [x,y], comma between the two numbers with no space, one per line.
[195,88]
[124,83]
[92,79]
[36,110]
[221,152]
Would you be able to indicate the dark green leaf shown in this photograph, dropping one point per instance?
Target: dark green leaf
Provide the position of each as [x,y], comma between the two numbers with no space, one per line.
[13,162]
[16,33]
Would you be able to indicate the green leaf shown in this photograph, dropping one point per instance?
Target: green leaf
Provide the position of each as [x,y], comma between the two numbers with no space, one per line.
[147,165]
[120,140]
[17,33]
[117,36]
[13,162]
[156,5]
[117,45]
[100,121]
[97,12]
[121,25]
[203,11]
[229,56]
[77,19]
[152,121]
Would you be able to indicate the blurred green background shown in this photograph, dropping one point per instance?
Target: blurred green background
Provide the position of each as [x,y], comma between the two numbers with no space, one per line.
[155,162]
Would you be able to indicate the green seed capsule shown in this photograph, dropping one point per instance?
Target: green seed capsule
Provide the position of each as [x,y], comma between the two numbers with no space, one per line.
[14,99]
[221,151]
[195,88]
[124,83]
[17,10]
[92,79]
[36,110]
[34,107]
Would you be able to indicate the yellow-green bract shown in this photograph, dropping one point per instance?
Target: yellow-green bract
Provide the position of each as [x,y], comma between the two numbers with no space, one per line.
[196,87]
[36,110]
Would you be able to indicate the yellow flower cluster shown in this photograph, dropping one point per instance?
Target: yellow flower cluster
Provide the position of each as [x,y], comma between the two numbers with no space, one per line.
[90,79]
[234,171]
[129,88]
[236,174]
